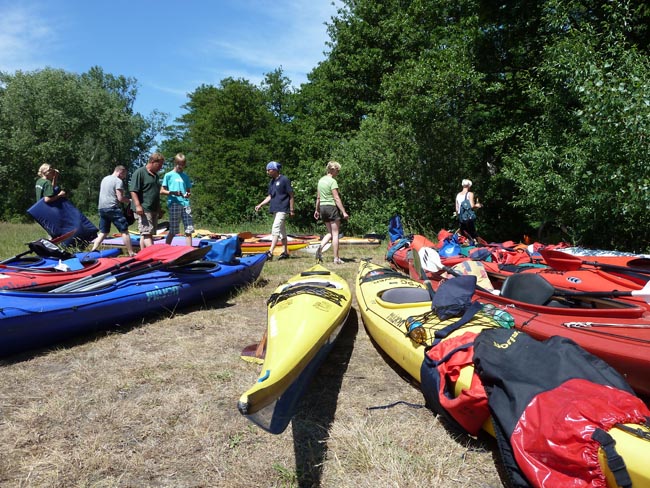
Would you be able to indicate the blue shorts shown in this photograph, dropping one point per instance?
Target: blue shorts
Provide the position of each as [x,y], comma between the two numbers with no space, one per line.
[114,215]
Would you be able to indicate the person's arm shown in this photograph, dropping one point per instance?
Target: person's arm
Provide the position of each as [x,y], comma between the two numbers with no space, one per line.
[54,198]
[317,211]
[166,191]
[136,202]
[291,202]
[263,202]
[472,202]
[49,195]
[339,202]
[121,195]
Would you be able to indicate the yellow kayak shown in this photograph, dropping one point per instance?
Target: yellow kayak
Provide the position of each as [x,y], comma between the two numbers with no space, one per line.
[387,298]
[305,315]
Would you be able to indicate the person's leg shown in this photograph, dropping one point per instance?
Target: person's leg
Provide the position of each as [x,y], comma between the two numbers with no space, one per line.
[188,224]
[334,229]
[276,231]
[98,240]
[104,228]
[174,221]
[146,226]
[283,233]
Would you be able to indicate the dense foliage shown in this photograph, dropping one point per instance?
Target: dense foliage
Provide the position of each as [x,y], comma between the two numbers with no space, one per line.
[544,105]
[82,124]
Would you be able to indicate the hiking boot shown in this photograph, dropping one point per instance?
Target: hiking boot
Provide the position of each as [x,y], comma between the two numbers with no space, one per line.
[284,255]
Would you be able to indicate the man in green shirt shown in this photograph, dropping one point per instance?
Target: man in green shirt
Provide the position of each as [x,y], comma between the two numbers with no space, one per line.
[145,198]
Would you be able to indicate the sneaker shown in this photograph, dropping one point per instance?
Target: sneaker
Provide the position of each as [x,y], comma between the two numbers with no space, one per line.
[338,261]
[269,256]
[284,255]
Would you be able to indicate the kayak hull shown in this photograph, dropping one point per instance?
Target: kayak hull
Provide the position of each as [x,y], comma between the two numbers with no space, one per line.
[305,315]
[33,319]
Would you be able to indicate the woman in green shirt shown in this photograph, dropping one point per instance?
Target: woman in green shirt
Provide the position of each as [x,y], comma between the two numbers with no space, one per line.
[46,186]
[330,209]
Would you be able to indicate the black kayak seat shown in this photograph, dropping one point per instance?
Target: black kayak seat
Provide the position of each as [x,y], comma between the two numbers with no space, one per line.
[528,288]
[406,295]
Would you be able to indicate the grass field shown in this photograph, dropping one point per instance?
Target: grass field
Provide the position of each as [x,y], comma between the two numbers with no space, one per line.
[153,404]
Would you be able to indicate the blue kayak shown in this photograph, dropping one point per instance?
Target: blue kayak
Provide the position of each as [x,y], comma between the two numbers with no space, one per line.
[32,319]
[46,262]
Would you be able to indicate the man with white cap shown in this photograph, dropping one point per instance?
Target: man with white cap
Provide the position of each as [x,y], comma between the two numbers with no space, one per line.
[280,196]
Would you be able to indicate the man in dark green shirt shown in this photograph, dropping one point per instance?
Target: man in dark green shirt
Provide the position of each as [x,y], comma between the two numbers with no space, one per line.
[145,198]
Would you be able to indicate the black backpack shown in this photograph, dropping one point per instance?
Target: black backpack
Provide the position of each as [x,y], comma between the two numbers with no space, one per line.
[47,249]
[465,213]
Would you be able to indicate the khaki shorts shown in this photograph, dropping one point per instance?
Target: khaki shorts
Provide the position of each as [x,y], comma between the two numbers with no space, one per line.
[279,224]
[147,223]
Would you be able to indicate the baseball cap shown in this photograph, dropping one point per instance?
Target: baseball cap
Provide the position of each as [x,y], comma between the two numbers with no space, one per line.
[274,165]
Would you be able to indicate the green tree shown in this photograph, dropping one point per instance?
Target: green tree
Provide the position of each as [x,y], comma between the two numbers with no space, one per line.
[227,132]
[589,142]
[83,124]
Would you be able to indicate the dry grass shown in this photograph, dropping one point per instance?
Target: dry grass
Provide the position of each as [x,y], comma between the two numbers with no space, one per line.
[154,404]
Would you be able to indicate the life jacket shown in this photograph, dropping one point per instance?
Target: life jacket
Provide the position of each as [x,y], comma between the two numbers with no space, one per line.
[552,404]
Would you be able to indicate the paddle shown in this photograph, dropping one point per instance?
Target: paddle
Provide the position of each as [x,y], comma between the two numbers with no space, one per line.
[255,353]
[147,266]
[563,261]
[643,293]
[162,254]
[417,264]
[55,240]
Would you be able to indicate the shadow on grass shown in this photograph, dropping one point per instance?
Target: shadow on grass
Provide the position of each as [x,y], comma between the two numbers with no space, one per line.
[317,408]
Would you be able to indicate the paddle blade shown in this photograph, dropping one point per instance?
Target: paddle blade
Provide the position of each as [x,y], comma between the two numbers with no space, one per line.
[64,237]
[176,255]
[560,260]
[249,354]
[430,260]
[417,264]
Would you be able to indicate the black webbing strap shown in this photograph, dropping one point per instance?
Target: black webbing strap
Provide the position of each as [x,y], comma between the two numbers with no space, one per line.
[615,462]
[473,309]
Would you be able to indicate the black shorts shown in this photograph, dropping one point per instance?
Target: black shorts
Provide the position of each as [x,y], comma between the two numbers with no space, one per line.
[329,213]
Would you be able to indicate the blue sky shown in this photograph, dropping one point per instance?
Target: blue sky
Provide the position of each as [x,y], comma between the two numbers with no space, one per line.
[170,47]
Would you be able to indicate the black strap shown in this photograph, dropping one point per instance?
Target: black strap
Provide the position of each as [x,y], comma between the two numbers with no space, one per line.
[473,309]
[615,462]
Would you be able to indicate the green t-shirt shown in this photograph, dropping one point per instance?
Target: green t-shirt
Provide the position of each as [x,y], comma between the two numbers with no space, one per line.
[147,186]
[325,186]
[43,188]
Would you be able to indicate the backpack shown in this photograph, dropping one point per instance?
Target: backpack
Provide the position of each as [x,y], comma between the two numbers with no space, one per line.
[47,249]
[465,213]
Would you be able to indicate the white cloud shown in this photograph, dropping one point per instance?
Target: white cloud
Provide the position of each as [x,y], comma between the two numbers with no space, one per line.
[291,34]
[24,37]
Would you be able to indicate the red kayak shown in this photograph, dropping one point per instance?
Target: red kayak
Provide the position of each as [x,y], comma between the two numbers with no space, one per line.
[148,258]
[614,330]
[581,280]
[51,277]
